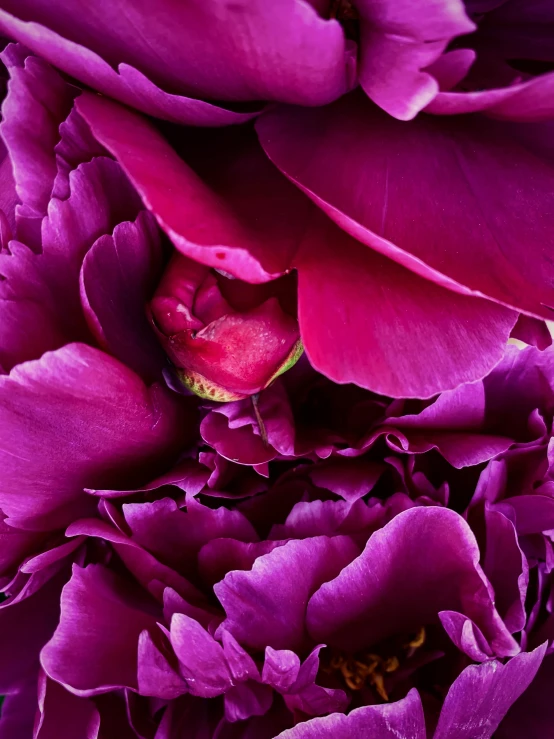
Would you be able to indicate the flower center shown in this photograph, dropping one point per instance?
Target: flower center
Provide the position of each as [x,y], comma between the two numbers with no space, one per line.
[367,668]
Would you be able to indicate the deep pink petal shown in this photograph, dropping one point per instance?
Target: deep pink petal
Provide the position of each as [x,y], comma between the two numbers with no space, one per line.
[436,196]
[365,319]
[245,220]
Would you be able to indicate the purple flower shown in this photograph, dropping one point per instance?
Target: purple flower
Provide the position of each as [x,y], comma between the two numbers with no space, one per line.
[364,549]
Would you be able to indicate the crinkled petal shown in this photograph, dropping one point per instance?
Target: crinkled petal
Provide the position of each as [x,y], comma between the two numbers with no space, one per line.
[38,101]
[118,277]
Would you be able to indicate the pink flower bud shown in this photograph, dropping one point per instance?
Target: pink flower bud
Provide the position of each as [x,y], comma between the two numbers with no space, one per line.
[227,338]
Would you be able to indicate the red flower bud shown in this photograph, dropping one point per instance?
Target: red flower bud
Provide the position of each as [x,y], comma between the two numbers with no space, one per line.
[227,338]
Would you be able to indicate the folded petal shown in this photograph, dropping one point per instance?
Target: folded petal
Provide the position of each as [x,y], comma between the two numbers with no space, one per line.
[38,101]
[118,276]
[202,662]
[126,83]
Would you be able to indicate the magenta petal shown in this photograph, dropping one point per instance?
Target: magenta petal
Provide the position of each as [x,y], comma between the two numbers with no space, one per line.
[38,101]
[151,574]
[480,697]
[117,278]
[400,39]
[126,84]
[466,635]
[202,662]
[365,319]
[248,223]
[424,561]
[349,478]
[266,606]
[94,648]
[458,227]
[41,291]
[506,567]
[176,536]
[216,50]
[77,402]
[155,676]
[531,100]
[401,720]
[64,715]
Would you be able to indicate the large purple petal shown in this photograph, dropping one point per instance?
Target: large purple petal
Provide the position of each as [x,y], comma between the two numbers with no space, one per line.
[246,220]
[422,562]
[78,403]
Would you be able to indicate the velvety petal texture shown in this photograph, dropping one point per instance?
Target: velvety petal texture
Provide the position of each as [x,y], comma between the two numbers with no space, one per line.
[276,369]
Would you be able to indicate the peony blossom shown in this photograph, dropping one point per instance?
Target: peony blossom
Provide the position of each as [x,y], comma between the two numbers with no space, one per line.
[326,218]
